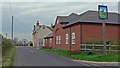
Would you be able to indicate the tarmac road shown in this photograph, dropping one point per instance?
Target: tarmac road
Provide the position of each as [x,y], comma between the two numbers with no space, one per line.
[26,56]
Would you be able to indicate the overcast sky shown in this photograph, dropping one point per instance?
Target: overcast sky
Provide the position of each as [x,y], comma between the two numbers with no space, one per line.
[27,13]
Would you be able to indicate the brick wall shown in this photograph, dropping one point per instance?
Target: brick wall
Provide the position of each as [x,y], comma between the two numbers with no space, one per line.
[94,32]
[112,32]
[83,33]
[91,32]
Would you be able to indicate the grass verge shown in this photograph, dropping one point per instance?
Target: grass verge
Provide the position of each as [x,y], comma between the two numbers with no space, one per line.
[8,58]
[110,57]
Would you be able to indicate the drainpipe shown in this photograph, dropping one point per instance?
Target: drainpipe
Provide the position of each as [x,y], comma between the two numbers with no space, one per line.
[81,34]
[55,39]
[70,38]
[47,42]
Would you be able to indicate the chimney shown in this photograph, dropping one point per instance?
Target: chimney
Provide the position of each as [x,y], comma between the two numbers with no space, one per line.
[37,23]
[51,25]
[34,28]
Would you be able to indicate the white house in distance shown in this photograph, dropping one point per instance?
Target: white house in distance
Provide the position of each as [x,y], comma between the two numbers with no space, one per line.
[39,32]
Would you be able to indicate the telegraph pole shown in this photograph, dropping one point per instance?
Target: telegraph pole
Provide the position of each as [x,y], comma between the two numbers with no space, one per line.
[12,29]
[6,35]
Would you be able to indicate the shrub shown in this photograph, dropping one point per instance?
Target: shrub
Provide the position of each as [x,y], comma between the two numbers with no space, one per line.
[7,44]
[8,51]
[101,42]
[115,42]
[94,42]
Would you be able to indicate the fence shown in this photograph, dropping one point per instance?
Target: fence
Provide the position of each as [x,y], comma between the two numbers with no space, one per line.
[99,48]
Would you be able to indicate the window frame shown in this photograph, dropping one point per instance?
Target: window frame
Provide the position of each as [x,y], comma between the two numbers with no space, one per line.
[50,40]
[59,39]
[56,39]
[67,39]
[46,41]
[73,37]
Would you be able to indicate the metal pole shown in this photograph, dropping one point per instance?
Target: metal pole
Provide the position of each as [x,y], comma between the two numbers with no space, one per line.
[104,36]
[12,28]
[6,35]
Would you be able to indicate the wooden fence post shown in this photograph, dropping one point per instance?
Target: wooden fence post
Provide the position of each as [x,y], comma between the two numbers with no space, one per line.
[92,47]
[109,48]
[85,47]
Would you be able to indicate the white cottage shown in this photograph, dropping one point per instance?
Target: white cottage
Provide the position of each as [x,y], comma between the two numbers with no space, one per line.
[39,32]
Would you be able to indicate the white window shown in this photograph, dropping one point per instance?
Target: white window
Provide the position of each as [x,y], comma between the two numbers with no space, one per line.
[56,39]
[46,41]
[50,40]
[73,38]
[43,42]
[59,39]
[66,38]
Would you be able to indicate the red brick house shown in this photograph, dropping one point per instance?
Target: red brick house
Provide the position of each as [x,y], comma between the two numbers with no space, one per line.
[71,31]
[48,41]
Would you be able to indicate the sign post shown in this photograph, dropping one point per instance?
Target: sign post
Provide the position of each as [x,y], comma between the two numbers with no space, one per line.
[103,14]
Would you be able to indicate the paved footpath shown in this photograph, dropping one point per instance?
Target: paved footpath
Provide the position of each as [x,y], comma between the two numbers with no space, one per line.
[99,63]
[27,56]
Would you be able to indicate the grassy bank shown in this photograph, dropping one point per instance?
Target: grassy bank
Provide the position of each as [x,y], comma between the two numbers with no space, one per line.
[111,57]
[8,58]
[8,52]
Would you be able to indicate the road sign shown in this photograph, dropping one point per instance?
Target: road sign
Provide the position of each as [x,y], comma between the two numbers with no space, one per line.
[103,12]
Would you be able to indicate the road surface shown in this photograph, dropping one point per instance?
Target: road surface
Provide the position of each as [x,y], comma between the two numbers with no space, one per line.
[26,56]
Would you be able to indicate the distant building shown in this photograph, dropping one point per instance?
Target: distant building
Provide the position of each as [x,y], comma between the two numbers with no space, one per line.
[30,43]
[48,41]
[73,30]
[39,32]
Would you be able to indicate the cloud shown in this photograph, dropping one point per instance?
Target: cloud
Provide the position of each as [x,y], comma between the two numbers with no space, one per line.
[61,0]
[27,13]
[0,17]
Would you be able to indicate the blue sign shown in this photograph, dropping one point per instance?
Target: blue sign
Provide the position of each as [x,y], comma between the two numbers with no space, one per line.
[103,12]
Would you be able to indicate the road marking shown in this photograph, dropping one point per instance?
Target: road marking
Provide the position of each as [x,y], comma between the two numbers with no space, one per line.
[86,63]
[94,64]
[82,63]
[32,51]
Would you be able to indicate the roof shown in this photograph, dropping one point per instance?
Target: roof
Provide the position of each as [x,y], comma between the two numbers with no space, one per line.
[49,35]
[62,18]
[43,27]
[71,16]
[50,28]
[91,17]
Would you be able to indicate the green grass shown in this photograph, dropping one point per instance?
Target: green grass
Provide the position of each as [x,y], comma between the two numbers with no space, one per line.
[111,57]
[8,58]
[97,57]
[59,52]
